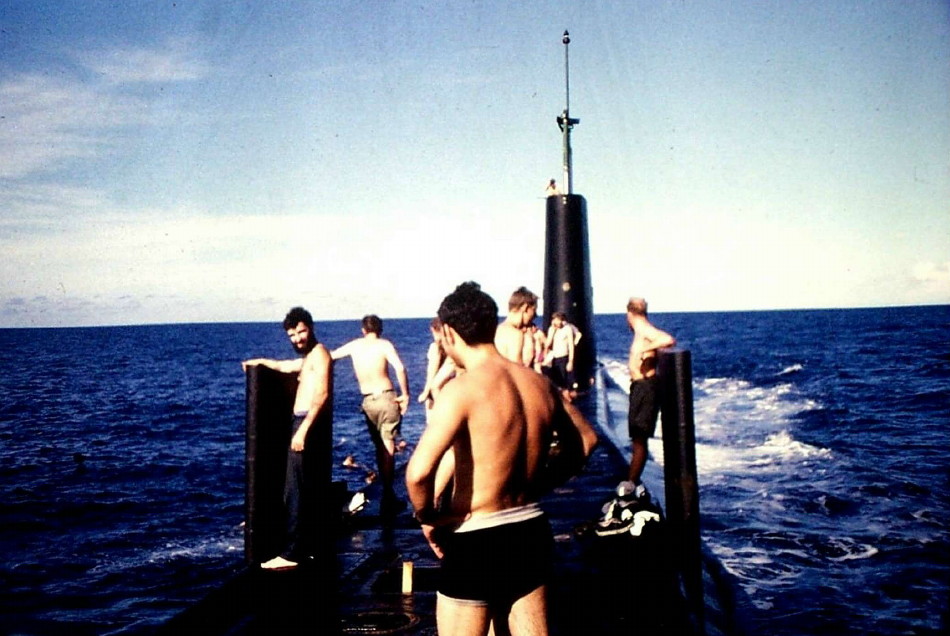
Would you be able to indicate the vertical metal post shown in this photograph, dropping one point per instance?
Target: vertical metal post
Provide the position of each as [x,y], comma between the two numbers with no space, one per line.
[269,404]
[269,407]
[565,121]
[566,127]
[680,476]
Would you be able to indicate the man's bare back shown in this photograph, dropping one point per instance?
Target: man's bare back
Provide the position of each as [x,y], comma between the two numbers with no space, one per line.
[497,417]
[371,359]
[642,362]
[372,355]
[647,339]
[510,341]
[508,412]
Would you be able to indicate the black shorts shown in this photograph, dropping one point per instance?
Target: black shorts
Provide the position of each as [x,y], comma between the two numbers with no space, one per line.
[496,566]
[561,377]
[644,407]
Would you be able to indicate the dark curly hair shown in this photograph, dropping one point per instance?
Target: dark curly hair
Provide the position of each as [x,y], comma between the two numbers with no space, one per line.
[297,315]
[471,313]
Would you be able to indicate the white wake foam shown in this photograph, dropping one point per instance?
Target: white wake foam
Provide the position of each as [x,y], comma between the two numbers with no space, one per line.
[747,453]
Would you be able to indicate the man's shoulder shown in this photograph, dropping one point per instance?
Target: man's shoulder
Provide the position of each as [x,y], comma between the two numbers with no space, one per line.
[505,331]
[318,354]
[377,346]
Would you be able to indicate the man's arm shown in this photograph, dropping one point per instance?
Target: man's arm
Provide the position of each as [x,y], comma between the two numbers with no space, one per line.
[444,374]
[570,349]
[342,351]
[284,366]
[318,363]
[443,425]
[401,377]
[575,440]
[657,339]
[584,429]
[432,367]
[527,349]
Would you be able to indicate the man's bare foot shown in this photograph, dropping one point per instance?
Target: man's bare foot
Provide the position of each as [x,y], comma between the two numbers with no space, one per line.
[278,563]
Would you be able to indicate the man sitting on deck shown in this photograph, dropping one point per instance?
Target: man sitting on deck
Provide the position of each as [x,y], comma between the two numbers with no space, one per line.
[498,418]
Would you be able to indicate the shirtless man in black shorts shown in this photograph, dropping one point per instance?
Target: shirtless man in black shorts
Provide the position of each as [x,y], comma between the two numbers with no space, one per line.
[644,405]
[498,418]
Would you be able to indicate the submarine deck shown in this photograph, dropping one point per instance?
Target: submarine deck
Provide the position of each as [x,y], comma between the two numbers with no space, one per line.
[600,585]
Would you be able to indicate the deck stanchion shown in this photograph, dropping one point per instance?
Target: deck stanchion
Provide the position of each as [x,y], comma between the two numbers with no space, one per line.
[269,406]
[407,577]
[680,475]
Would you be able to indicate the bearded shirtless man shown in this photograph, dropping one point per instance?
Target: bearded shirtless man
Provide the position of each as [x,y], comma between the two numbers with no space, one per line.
[311,400]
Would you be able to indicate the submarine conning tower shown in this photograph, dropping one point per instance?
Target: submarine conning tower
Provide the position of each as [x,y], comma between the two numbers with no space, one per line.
[567,282]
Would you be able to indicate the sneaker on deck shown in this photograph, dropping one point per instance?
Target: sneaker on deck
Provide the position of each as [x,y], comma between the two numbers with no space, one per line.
[617,520]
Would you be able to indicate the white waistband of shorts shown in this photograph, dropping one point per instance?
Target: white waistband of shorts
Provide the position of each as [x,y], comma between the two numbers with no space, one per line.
[501,517]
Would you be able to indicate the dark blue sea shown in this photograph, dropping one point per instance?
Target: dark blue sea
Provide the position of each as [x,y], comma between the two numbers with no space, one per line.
[823,442]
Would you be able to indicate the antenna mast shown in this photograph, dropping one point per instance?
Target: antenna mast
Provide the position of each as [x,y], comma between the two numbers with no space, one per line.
[564,121]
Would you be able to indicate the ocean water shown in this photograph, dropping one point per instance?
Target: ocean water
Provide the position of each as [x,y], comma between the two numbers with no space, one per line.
[822,448]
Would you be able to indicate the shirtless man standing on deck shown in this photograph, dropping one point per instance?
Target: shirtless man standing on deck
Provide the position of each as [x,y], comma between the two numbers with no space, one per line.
[512,338]
[498,418]
[372,354]
[644,405]
[313,393]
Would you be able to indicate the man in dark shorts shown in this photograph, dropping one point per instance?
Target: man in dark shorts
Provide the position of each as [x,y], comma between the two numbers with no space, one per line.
[498,418]
[561,341]
[312,405]
[644,404]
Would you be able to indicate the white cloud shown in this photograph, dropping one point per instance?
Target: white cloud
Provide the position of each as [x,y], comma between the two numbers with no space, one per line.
[186,265]
[40,205]
[930,272]
[47,121]
[725,261]
[175,61]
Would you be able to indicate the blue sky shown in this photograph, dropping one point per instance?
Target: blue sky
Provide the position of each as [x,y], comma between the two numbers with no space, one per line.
[213,161]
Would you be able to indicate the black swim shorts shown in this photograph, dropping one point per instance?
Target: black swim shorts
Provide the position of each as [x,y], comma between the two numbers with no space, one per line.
[496,566]
[644,408]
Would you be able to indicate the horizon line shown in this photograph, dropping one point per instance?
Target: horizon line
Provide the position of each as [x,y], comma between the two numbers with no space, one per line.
[317,321]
